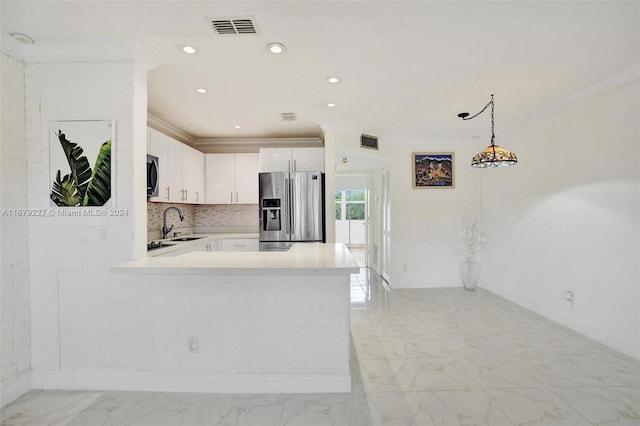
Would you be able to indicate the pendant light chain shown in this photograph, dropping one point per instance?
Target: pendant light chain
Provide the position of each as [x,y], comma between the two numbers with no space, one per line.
[493,134]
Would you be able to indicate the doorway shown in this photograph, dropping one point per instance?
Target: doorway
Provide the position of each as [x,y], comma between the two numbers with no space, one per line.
[352,215]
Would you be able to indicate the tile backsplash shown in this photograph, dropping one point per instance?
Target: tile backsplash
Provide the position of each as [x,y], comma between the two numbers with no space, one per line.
[203,218]
[232,215]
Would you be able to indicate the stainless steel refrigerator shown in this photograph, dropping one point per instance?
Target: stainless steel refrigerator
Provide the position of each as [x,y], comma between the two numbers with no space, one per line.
[291,209]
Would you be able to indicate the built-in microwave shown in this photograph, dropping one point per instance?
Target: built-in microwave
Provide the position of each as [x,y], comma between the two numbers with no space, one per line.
[152,176]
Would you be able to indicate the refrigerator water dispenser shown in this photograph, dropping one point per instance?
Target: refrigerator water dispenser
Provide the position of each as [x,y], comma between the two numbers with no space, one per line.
[271,214]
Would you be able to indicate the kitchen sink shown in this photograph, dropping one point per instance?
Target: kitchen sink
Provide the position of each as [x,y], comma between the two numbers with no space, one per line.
[158,245]
[186,239]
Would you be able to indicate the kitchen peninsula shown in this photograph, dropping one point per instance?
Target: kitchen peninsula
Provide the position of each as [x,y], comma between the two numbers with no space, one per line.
[250,321]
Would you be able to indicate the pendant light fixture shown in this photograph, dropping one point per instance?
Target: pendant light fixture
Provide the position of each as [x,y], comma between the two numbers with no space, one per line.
[493,155]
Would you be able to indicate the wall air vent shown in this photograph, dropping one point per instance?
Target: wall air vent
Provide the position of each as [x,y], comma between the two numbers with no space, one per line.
[368,141]
[288,116]
[233,26]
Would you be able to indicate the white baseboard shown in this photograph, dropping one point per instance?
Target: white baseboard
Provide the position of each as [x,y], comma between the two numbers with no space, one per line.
[12,388]
[617,343]
[187,382]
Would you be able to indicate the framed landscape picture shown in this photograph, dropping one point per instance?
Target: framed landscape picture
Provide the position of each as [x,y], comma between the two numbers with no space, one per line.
[433,169]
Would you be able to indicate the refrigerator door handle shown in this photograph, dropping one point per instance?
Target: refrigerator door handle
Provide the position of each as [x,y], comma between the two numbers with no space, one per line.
[287,206]
[292,204]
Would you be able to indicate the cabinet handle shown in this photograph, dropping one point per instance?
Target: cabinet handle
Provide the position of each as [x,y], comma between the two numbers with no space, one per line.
[168,193]
[197,195]
[288,165]
[236,198]
[231,198]
[295,166]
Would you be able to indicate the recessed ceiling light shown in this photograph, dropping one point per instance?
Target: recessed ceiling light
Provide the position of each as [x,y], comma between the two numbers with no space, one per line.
[333,79]
[189,49]
[22,38]
[275,48]
[331,105]
[237,126]
[201,90]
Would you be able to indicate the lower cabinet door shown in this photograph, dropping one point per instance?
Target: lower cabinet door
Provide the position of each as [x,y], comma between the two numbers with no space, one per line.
[240,244]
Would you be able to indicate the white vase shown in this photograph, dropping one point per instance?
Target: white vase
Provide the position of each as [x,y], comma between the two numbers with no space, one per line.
[470,274]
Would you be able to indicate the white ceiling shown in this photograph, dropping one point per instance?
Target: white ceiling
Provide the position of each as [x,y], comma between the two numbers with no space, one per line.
[406,68]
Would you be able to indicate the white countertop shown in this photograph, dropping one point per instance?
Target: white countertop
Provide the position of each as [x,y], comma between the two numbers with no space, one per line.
[307,257]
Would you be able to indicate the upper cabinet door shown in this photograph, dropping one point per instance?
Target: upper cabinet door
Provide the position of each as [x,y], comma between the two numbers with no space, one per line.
[246,173]
[232,178]
[275,159]
[307,159]
[292,159]
[173,164]
[193,175]
[220,176]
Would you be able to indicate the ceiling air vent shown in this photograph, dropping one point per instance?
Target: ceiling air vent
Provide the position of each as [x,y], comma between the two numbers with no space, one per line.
[367,141]
[288,116]
[233,26]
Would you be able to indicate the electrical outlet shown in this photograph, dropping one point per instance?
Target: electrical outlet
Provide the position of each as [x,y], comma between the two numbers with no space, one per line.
[568,296]
[192,343]
[236,215]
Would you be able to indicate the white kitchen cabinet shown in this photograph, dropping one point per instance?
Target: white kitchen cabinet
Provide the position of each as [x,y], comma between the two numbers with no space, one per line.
[275,159]
[232,178]
[181,176]
[211,245]
[246,178]
[291,159]
[192,175]
[220,176]
[173,253]
[240,244]
[307,159]
[174,171]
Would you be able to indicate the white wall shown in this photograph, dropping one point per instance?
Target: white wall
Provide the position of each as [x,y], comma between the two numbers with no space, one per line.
[567,217]
[345,182]
[81,317]
[15,340]
[426,223]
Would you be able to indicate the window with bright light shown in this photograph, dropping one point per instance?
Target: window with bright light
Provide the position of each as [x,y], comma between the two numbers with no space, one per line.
[350,205]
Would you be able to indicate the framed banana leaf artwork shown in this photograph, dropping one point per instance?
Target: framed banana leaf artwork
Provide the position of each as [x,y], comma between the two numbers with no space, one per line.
[80,167]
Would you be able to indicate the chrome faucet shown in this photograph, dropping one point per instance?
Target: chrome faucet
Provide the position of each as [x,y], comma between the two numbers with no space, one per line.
[166,230]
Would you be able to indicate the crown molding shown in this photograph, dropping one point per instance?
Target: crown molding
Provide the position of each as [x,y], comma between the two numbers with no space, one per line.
[212,145]
[254,144]
[613,81]
[169,130]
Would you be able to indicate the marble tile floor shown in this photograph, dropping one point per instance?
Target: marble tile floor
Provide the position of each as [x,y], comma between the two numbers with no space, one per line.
[359,254]
[419,357]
